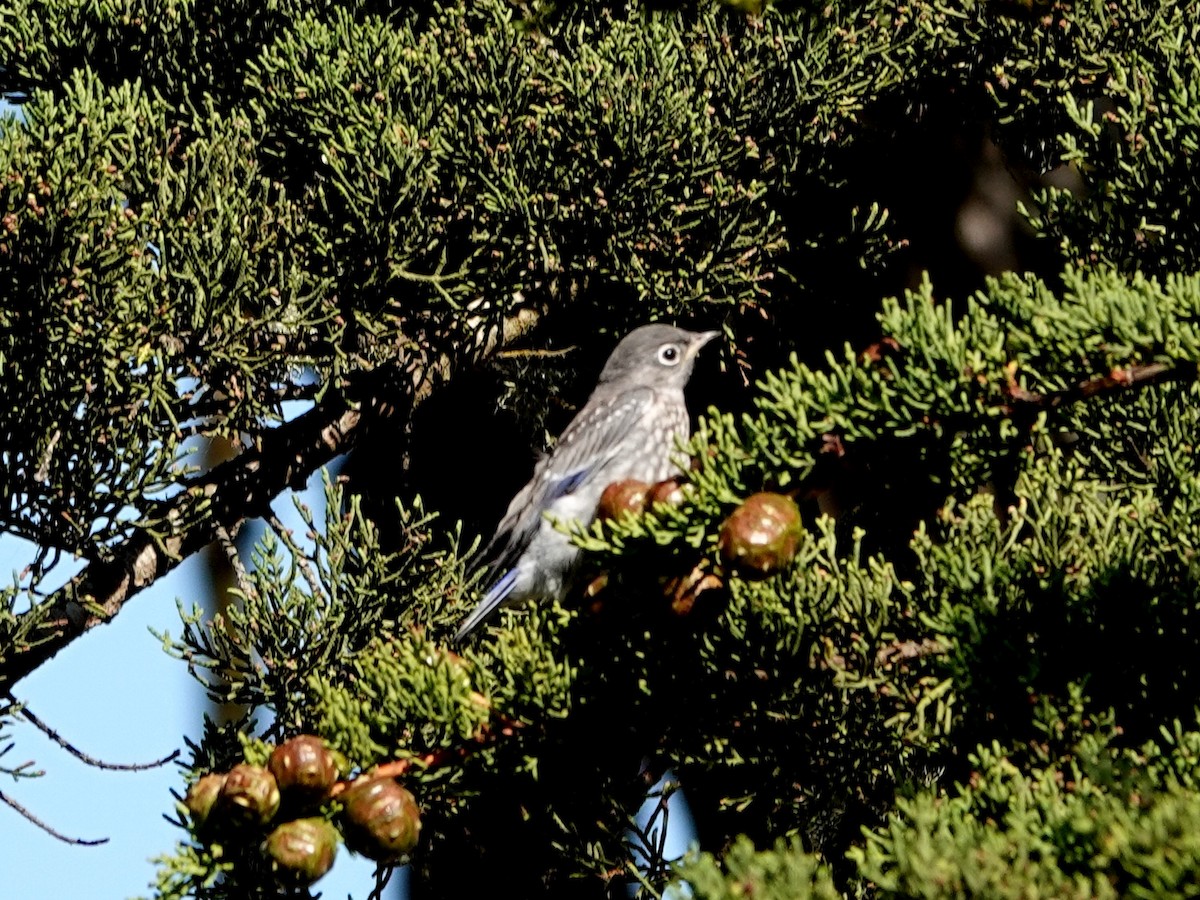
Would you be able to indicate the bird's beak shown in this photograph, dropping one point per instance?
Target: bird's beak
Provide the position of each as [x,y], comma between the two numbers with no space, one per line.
[700,340]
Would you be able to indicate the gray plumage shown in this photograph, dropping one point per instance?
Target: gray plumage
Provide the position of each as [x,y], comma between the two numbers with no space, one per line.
[628,429]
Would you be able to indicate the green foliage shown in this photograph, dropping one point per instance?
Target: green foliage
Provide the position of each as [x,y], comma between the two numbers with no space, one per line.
[954,386]
[309,605]
[210,210]
[120,271]
[1132,134]
[407,692]
[535,180]
[63,177]
[1100,96]
[784,873]
[190,870]
[828,685]
[1101,822]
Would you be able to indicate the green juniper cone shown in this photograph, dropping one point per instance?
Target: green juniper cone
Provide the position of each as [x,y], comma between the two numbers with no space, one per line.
[762,535]
[249,795]
[303,850]
[303,765]
[202,797]
[403,237]
[382,821]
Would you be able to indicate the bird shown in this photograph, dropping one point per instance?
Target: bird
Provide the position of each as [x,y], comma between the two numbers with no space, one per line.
[627,429]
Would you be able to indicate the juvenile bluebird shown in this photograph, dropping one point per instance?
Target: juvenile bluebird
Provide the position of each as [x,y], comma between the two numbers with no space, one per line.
[627,430]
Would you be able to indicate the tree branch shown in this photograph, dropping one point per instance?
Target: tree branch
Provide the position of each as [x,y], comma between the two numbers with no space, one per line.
[17,807]
[1117,380]
[220,500]
[87,758]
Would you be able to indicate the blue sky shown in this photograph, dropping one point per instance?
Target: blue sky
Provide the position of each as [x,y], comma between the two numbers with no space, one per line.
[117,696]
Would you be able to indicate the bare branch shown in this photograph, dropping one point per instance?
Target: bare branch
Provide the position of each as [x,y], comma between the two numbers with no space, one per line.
[81,842]
[91,760]
[383,874]
[223,497]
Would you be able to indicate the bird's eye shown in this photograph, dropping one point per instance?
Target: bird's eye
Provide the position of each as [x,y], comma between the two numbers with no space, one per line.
[669,355]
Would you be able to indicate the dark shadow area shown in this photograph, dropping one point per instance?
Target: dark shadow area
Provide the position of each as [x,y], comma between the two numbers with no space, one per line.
[1131,643]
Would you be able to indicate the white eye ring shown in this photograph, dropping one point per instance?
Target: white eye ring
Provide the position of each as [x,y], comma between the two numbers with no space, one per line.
[670,354]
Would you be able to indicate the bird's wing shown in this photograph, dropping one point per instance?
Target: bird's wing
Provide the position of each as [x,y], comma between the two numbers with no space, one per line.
[592,439]
[491,601]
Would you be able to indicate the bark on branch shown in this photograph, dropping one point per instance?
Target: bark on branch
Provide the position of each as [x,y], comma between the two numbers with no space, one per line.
[1116,380]
[218,501]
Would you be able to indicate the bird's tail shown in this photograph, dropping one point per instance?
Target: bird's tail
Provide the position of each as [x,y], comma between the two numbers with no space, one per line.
[491,601]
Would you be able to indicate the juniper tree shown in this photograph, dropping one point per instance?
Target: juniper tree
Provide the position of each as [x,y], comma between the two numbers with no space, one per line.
[969,667]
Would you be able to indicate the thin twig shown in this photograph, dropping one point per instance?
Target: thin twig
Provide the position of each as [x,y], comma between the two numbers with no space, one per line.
[43,469]
[290,391]
[650,841]
[535,354]
[299,557]
[225,539]
[653,837]
[658,862]
[638,875]
[227,495]
[383,874]
[398,767]
[899,651]
[213,404]
[434,758]
[91,760]
[81,842]
[37,569]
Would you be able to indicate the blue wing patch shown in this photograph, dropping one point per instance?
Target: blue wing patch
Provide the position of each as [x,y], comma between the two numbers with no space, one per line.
[566,485]
[491,601]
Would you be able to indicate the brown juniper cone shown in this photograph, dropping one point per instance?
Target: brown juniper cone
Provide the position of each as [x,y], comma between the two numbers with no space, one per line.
[670,492]
[382,820]
[762,535]
[303,765]
[634,497]
[250,795]
[302,850]
[202,796]
[621,497]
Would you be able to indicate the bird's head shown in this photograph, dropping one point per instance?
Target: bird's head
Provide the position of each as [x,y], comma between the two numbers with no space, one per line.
[655,356]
